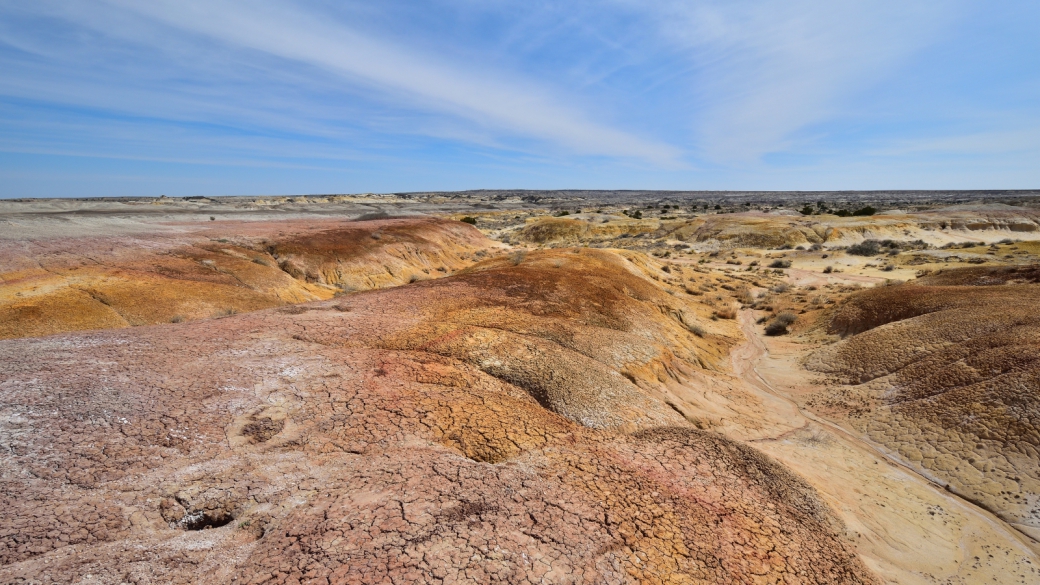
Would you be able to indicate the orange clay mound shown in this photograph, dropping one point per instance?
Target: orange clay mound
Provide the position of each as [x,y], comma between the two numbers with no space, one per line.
[67,284]
[478,428]
[949,378]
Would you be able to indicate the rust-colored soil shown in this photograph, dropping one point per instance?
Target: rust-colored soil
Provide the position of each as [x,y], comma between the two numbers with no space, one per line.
[504,424]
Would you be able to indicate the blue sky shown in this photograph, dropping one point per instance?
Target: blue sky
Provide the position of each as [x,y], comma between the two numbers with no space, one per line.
[186,97]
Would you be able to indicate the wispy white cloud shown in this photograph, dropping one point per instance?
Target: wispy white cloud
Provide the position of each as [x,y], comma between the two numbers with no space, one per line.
[768,70]
[491,99]
[1023,139]
[666,93]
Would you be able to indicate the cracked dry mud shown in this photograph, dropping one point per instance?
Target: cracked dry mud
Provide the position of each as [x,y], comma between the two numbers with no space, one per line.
[494,414]
[504,424]
[905,528]
[945,373]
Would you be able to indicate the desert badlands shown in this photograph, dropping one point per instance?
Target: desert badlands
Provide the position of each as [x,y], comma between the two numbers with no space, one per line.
[521,387]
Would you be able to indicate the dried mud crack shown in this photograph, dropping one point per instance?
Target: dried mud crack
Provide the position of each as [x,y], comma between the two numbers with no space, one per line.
[551,396]
[452,430]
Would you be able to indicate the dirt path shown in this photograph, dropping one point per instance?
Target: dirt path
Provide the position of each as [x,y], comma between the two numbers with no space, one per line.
[905,527]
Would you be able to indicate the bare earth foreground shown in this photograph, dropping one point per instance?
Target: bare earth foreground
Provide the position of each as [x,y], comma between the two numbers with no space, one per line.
[335,395]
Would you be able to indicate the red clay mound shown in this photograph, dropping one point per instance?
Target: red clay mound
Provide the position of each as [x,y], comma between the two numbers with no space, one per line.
[406,435]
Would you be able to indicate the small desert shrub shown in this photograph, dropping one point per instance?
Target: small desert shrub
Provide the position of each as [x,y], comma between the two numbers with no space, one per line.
[780,264]
[744,295]
[781,288]
[228,312]
[697,330]
[780,323]
[865,248]
[177,319]
[469,220]
[517,257]
[816,247]
[888,268]
[726,313]
[828,270]
[816,438]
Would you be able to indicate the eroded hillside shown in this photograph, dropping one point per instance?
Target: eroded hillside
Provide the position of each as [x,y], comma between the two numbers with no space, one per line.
[481,427]
[263,390]
[52,285]
[677,228]
[946,373]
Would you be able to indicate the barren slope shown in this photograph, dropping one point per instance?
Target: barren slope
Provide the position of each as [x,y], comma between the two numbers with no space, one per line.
[949,378]
[754,229]
[427,433]
[51,285]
